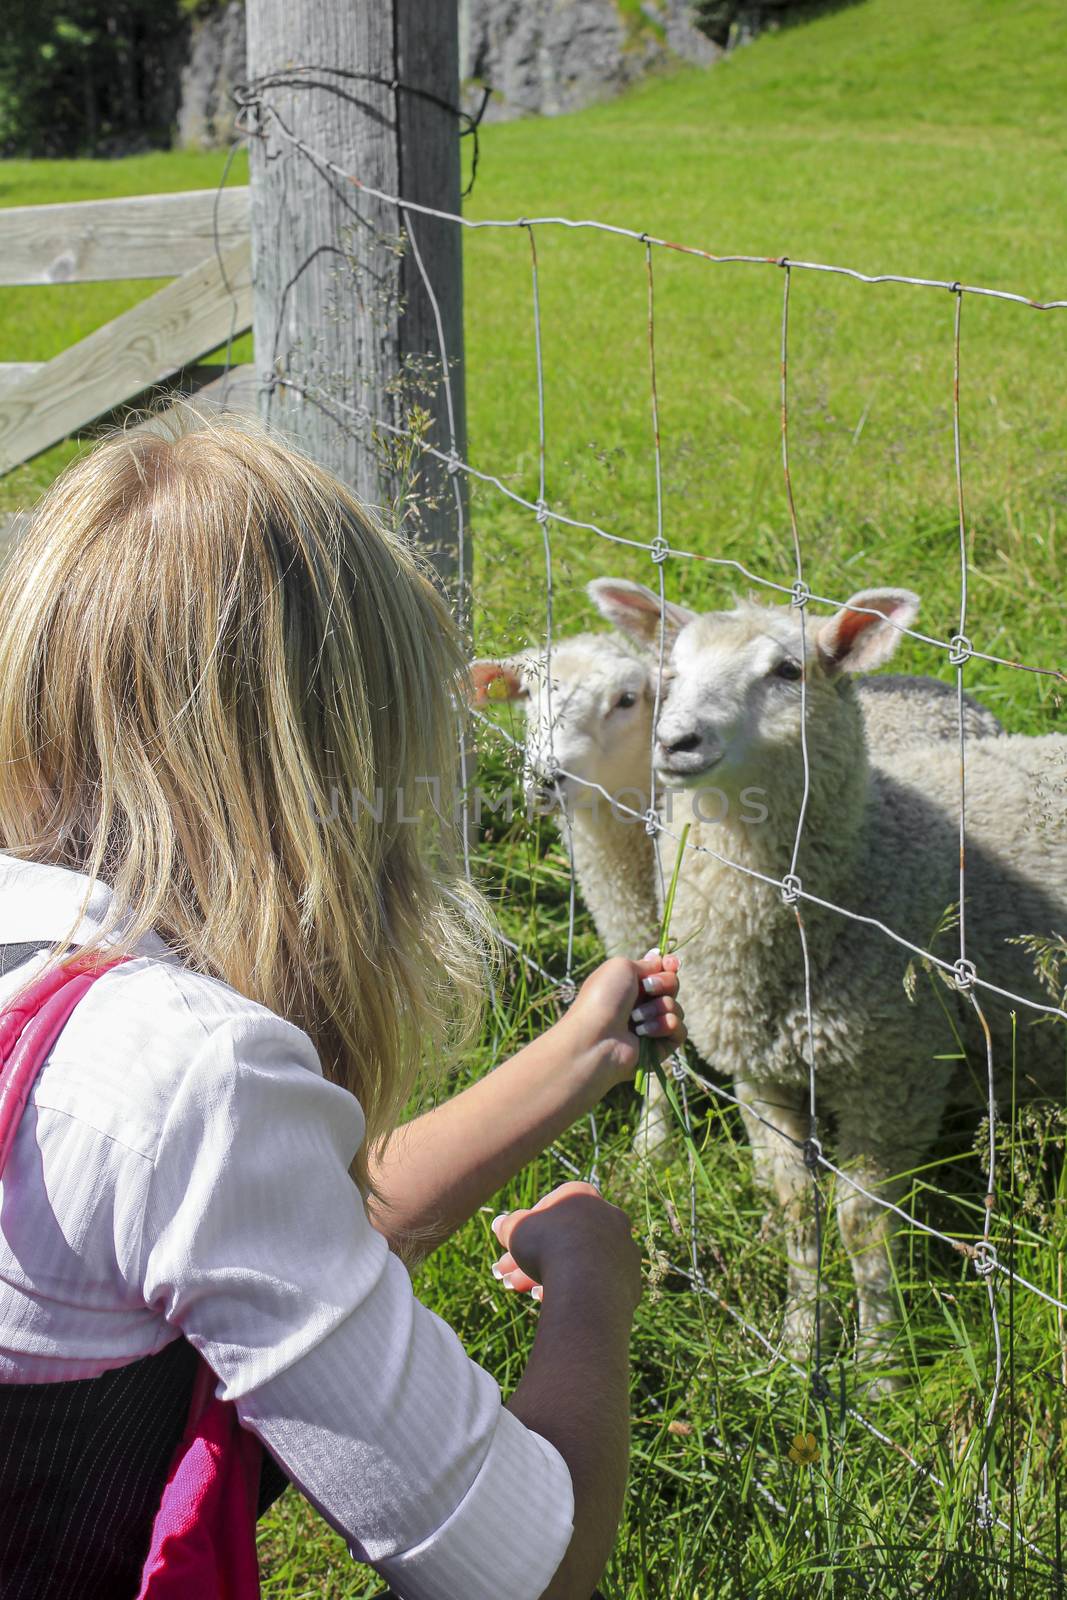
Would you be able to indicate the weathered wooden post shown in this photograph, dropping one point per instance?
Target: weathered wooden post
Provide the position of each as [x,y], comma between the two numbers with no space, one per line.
[347,344]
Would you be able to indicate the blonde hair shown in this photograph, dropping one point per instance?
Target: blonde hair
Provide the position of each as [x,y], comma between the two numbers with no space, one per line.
[220,685]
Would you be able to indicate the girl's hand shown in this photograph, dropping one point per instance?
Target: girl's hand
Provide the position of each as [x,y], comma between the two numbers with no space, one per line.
[571,1239]
[617,1005]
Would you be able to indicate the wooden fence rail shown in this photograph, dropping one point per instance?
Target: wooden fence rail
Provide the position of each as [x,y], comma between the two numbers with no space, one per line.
[200,239]
[144,236]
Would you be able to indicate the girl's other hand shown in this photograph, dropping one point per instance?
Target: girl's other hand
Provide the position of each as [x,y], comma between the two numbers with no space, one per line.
[575,1241]
[620,1003]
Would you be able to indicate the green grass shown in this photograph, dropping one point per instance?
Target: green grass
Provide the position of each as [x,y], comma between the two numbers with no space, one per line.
[895,135]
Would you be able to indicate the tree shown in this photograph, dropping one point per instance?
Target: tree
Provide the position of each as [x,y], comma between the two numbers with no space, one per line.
[87,77]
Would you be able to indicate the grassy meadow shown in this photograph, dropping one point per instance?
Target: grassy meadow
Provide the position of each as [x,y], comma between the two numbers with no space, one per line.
[890,136]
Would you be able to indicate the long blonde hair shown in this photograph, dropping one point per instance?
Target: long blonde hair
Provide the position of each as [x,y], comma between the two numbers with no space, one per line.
[220,686]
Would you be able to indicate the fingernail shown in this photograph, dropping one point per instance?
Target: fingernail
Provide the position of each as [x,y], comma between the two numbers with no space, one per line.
[497,1221]
[642,1013]
[653,952]
[650,985]
[497,1274]
[642,1029]
[537,1293]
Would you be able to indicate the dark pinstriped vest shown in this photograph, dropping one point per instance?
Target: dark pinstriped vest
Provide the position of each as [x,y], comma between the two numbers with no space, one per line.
[83,1464]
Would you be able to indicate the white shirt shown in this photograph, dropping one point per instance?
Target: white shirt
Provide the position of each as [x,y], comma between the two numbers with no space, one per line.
[182,1168]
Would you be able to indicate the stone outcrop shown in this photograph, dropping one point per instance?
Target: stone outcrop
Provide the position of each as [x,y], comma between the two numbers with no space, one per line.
[540,57]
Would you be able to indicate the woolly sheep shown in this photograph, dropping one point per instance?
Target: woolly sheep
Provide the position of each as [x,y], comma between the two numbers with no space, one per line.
[596,726]
[592,726]
[880,839]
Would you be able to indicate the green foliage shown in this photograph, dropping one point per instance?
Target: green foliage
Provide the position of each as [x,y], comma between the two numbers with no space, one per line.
[639,21]
[719,18]
[205,8]
[81,77]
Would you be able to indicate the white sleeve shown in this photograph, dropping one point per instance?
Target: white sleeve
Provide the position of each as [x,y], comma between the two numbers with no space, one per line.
[257,1245]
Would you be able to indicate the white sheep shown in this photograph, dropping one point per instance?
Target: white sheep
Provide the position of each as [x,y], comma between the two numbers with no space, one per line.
[879,839]
[591,725]
[590,737]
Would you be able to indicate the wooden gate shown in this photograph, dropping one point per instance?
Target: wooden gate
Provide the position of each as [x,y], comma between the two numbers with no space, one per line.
[200,240]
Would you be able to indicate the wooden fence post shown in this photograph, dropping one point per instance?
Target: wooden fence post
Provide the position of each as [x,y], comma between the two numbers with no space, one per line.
[346,335]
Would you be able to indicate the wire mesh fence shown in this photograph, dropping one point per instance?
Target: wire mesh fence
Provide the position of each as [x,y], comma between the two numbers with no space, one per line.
[991,1247]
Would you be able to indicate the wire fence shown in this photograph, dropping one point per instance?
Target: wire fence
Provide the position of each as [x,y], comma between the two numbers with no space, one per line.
[975,988]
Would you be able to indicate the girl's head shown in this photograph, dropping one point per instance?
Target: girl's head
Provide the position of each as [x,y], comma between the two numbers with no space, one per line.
[224,690]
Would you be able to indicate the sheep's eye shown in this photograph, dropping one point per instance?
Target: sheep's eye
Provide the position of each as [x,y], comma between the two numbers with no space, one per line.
[625,701]
[789,669]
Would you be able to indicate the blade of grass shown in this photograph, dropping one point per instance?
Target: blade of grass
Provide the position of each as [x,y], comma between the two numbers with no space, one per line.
[648,1060]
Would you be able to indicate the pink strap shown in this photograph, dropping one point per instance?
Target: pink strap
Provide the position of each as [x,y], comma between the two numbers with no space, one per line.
[29,1029]
[204,1534]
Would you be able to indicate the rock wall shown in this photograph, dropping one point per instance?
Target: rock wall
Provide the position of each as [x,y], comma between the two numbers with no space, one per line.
[540,57]
[543,57]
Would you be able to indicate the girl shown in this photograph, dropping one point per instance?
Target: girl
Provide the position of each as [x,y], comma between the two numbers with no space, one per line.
[221,687]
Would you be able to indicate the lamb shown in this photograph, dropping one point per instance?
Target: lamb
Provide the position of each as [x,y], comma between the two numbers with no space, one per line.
[596,726]
[595,729]
[880,839]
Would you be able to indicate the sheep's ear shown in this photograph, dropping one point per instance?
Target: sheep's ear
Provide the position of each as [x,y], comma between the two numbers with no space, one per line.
[635,609]
[857,640]
[494,680]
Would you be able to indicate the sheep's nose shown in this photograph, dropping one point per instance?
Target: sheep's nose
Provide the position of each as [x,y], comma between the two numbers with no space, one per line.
[544,786]
[682,745]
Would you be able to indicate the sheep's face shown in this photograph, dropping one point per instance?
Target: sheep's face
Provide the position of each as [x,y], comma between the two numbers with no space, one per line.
[589,722]
[734,696]
[739,680]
